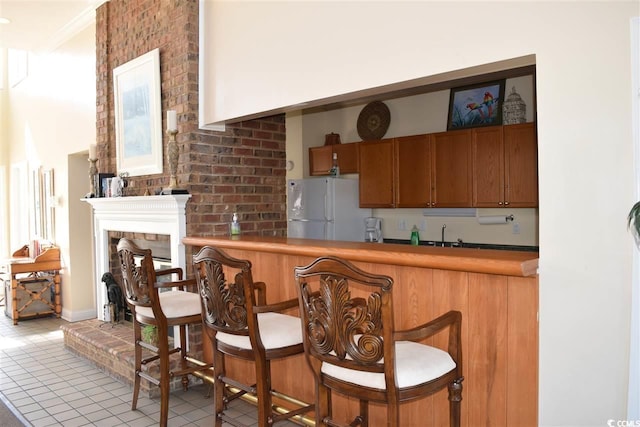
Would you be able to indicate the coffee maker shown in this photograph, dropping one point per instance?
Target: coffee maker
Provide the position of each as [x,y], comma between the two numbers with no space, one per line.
[373,229]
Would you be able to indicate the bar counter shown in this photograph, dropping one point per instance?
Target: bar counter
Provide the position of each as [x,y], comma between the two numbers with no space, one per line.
[496,291]
[510,263]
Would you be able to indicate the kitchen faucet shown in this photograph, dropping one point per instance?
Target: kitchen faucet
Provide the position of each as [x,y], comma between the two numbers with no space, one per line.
[443,227]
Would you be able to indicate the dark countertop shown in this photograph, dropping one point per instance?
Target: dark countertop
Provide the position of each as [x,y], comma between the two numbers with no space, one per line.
[467,245]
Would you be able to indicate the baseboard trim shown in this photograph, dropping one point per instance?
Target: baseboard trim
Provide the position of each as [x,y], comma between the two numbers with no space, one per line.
[78,315]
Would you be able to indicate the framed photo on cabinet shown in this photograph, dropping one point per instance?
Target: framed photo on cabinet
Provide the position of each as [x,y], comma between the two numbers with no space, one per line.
[136,86]
[476,105]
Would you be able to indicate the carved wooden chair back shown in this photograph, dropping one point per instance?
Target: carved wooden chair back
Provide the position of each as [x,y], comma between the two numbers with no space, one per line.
[226,304]
[138,277]
[352,346]
[241,324]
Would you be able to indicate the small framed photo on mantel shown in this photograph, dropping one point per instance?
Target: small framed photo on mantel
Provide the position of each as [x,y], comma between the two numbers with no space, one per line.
[102,184]
[476,105]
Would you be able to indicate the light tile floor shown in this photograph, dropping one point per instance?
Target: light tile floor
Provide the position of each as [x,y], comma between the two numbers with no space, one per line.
[46,385]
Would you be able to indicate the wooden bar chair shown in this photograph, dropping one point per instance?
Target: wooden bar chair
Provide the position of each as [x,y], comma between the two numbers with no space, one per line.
[161,309]
[352,346]
[241,325]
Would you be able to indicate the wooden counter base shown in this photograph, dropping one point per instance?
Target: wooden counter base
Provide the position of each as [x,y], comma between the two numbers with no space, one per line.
[496,291]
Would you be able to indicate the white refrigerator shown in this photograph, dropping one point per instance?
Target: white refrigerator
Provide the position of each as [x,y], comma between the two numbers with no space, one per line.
[325,208]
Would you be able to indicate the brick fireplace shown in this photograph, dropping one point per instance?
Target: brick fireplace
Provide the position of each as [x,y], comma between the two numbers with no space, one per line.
[158,221]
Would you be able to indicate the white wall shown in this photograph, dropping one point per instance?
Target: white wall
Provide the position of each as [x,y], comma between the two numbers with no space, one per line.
[4,157]
[634,354]
[582,55]
[53,114]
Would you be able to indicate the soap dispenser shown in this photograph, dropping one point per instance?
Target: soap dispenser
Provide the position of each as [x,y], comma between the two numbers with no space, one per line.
[335,167]
[415,236]
[235,225]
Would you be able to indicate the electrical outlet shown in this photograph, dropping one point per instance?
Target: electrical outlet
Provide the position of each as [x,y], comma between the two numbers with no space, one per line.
[423,225]
[402,224]
[516,228]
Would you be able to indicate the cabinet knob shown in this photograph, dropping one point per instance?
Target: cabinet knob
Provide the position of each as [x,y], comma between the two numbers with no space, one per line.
[499,203]
[506,203]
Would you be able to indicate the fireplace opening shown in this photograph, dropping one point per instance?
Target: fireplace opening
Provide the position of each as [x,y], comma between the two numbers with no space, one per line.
[160,246]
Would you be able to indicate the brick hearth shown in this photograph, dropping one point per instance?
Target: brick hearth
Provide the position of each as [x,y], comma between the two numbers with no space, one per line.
[110,348]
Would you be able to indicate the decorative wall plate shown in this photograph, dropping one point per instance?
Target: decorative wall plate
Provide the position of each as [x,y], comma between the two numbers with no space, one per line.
[373,121]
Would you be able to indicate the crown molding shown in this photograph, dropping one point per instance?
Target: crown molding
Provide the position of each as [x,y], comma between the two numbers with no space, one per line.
[73,27]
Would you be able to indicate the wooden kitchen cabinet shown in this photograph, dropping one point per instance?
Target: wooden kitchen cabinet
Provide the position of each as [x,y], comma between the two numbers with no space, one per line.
[321,158]
[521,165]
[413,166]
[488,167]
[396,172]
[505,166]
[452,175]
[376,174]
[434,170]
[481,167]
[431,170]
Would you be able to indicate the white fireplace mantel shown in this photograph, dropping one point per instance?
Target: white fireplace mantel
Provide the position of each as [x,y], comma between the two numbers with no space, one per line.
[138,214]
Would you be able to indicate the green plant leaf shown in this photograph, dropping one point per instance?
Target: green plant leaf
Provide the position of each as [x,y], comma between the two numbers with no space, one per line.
[633,220]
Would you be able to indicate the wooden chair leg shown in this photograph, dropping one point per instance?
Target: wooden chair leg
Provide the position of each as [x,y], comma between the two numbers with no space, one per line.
[218,386]
[323,404]
[164,381]
[183,356]
[137,364]
[455,397]
[364,413]
[263,389]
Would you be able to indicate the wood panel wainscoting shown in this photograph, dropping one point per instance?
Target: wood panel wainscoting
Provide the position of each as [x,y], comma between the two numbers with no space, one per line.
[496,291]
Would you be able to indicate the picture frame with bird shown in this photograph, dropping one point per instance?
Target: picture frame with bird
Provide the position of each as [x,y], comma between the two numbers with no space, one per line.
[476,105]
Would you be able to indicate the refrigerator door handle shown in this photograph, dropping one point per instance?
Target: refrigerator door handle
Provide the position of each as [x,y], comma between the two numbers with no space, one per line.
[326,207]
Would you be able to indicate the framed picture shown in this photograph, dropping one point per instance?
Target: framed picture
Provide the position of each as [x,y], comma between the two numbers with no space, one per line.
[101,184]
[136,86]
[476,105]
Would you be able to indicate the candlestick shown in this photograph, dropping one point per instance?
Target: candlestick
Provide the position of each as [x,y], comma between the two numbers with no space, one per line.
[93,151]
[172,121]
[93,172]
[172,155]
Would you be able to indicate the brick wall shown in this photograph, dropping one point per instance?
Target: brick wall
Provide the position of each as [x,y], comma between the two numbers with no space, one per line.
[241,169]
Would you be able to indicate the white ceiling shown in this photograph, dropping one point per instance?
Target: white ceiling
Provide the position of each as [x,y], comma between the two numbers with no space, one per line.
[40,25]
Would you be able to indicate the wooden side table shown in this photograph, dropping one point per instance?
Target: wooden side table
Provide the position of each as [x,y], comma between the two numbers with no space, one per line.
[32,285]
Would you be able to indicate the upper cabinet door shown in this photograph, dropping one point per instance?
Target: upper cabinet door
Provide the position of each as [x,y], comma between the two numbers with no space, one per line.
[321,158]
[521,165]
[488,167]
[347,157]
[376,174]
[505,167]
[452,169]
[413,171]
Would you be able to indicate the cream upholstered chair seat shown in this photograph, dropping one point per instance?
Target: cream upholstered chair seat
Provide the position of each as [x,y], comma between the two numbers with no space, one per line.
[276,331]
[175,304]
[415,364]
